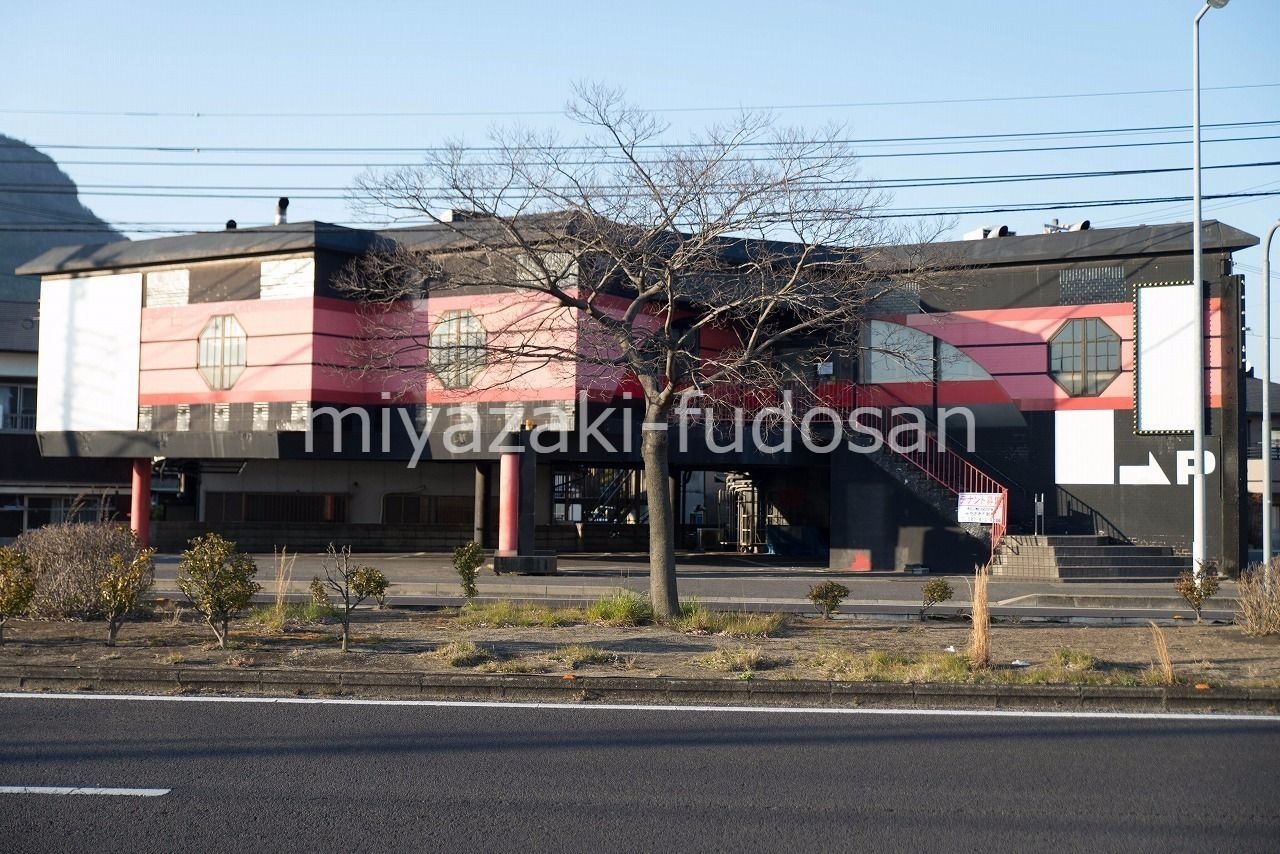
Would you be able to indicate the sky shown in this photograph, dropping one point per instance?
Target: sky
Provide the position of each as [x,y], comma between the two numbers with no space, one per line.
[257,74]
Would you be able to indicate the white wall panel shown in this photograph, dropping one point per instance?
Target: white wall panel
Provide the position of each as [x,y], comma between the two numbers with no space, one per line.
[168,287]
[292,277]
[89,331]
[1166,349]
[1084,446]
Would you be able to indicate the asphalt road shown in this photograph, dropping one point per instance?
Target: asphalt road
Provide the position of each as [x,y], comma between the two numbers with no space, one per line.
[254,776]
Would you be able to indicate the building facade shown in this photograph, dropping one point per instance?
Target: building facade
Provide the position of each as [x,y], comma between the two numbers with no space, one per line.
[212,354]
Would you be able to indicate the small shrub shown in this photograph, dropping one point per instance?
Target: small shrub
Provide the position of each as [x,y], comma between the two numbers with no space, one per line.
[217,580]
[467,560]
[624,608]
[319,594]
[980,631]
[577,655]
[934,592]
[463,653]
[17,585]
[70,561]
[1197,594]
[123,587]
[1258,603]
[507,614]
[353,583]
[827,597]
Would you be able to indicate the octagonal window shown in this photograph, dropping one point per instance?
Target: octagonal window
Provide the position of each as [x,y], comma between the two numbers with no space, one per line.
[457,349]
[222,349]
[1084,356]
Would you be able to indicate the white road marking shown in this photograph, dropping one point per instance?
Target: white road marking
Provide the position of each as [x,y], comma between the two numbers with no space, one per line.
[654,707]
[81,790]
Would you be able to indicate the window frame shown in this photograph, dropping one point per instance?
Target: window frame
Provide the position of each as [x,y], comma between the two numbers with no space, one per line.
[222,351]
[456,349]
[1095,356]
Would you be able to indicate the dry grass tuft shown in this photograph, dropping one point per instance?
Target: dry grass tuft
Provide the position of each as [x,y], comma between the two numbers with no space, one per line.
[462,653]
[980,632]
[1258,603]
[695,618]
[1164,672]
[283,577]
[742,659]
[577,655]
[504,614]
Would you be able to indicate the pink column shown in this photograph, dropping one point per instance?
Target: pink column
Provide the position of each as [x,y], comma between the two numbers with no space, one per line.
[508,504]
[140,503]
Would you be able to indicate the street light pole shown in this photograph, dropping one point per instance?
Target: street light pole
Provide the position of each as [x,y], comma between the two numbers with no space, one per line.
[1266,406]
[1197,277]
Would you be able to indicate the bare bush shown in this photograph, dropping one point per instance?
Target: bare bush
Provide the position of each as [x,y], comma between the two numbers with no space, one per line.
[1258,603]
[71,560]
[353,583]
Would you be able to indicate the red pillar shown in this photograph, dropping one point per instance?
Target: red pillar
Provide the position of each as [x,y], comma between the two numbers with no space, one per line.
[508,504]
[140,503]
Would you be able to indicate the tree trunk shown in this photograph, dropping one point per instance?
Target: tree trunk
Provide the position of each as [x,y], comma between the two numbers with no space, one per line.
[346,630]
[2,622]
[113,626]
[657,478]
[220,635]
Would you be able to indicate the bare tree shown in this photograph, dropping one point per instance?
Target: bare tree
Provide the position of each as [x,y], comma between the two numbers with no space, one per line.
[734,261]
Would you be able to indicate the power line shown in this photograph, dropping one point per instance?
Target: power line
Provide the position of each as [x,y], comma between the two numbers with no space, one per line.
[887,213]
[888,183]
[203,114]
[959,138]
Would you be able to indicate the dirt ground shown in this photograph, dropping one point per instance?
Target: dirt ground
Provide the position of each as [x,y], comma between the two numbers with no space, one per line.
[804,648]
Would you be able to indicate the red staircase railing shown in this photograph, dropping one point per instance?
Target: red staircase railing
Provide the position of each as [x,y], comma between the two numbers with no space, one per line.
[946,468]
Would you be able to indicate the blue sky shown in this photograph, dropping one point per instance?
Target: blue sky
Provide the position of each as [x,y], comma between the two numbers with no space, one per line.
[296,57]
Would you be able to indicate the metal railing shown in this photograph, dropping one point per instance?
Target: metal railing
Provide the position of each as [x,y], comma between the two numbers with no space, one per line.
[1254,451]
[19,422]
[948,469]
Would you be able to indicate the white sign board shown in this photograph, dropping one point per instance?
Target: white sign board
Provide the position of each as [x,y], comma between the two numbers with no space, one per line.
[1166,354]
[980,507]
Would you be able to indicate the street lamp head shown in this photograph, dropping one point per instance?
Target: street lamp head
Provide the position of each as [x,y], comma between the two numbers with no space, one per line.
[1217,4]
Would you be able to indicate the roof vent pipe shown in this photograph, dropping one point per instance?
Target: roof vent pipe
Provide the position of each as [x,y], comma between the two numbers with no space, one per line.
[282,211]
[231,225]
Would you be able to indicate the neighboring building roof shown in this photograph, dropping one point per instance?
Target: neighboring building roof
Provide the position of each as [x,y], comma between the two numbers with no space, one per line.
[1253,397]
[297,237]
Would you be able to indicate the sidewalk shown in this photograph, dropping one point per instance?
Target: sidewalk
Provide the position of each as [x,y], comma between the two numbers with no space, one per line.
[744,582]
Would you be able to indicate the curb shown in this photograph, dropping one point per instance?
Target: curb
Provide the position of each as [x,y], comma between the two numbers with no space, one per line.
[622,689]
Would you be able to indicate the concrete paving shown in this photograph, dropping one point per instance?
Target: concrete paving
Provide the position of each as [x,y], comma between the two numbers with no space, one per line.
[746,582]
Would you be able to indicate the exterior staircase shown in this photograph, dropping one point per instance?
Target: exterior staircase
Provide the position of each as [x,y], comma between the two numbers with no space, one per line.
[938,476]
[1083,558]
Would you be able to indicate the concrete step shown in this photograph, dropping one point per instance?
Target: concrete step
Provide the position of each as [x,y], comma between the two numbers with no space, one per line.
[1068,573]
[1124,560]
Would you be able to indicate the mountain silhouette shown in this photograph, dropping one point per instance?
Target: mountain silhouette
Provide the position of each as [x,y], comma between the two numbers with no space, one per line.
[39,209]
